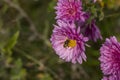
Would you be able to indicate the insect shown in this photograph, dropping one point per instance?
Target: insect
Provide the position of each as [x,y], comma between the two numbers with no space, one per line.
[66,43]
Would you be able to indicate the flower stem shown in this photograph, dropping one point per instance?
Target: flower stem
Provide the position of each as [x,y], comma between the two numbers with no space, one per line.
[112,15]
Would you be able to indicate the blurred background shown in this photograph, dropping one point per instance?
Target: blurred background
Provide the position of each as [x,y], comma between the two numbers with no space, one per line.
[25,50]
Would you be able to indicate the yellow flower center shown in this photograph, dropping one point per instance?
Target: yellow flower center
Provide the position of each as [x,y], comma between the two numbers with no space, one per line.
[70,43]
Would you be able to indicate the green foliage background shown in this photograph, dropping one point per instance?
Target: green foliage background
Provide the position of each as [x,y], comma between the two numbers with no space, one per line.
[25,50]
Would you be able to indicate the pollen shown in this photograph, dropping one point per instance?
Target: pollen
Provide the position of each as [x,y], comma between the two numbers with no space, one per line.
[70,43]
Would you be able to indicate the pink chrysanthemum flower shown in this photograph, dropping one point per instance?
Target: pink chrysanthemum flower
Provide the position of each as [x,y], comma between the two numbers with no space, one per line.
[91,31]
[111,77]
[68,43]
[110,59]
[105,78]
[69,10]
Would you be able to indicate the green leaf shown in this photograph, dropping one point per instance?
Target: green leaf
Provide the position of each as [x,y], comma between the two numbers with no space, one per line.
[11,43]
[18,72]
[94,11]
[101,16]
